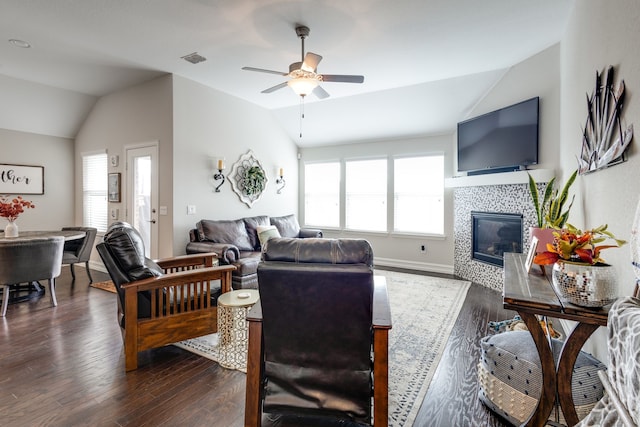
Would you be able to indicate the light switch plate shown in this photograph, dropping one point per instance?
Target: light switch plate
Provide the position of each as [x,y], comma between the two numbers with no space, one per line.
[114,160]
[114,213]
[191,209]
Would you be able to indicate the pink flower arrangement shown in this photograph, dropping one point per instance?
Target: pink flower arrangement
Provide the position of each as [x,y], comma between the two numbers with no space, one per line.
[11,209]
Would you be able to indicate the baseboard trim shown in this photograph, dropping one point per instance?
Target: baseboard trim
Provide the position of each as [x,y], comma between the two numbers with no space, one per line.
[413,265]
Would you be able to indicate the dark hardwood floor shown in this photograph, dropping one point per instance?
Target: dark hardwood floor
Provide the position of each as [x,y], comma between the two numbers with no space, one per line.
[64,366]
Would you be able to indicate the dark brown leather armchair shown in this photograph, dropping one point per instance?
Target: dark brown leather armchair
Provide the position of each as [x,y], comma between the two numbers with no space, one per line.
[79,250]
[318,337]
[160,302]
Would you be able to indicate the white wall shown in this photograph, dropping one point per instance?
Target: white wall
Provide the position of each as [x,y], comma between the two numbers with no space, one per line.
[599,34]
[209,124]
[394,249]
[54,209]
[139,114]
[538,75]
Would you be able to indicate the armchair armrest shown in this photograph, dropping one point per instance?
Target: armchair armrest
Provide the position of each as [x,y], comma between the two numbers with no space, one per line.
[309,232]
[381,308]
[227,253]
[187,262]
[192,299]
[381,326]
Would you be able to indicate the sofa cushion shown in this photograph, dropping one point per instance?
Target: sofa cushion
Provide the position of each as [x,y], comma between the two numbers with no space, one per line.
[266,232]
[287,225]
[233,232]
[252,224]
[247,264]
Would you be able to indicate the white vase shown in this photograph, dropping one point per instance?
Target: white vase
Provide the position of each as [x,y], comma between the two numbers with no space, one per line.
[11,230]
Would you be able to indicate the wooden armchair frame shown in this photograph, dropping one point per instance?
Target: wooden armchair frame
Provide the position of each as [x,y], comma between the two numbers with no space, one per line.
[181,306]
[381,323]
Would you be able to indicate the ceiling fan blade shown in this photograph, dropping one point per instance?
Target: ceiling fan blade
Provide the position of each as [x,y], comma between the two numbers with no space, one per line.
[311,61]
[320,93]
[342,78]
[274,88]
[262,70]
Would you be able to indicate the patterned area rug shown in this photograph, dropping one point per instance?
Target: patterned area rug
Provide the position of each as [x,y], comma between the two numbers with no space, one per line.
[423,312]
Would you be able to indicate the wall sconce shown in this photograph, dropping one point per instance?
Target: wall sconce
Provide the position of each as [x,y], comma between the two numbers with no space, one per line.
[219,175]
[281,180]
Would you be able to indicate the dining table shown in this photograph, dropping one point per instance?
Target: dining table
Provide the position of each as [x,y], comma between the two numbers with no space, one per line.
[27,291]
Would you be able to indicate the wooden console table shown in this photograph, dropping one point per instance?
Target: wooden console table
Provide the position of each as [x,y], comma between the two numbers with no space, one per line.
[530,295]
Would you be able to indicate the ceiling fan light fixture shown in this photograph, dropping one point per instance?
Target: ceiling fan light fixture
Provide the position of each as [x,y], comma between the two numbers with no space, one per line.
[303,86]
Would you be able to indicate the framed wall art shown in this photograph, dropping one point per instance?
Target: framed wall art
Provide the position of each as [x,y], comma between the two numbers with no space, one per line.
[248,178]
[114,187]
[21,179]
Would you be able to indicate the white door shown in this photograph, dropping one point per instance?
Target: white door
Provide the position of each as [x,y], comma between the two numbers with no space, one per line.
[142,194]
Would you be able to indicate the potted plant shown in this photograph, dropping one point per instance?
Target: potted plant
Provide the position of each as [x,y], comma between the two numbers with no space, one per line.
[11,210]
[550,211]
[580,276]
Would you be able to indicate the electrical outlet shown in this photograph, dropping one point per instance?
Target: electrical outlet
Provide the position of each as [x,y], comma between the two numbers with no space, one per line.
[191,209]
[423,248]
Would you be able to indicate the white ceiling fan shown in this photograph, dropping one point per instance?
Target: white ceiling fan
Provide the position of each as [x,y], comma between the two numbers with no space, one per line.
[304,78]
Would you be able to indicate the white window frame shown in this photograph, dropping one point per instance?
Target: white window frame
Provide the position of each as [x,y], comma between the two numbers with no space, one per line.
[95,206]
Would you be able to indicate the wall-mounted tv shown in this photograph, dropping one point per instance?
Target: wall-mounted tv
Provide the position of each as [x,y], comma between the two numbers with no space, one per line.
[500,141]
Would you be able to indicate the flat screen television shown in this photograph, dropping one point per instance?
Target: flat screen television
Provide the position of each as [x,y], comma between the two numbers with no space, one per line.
[500,141]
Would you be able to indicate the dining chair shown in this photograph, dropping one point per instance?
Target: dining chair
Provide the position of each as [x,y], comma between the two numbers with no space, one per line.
[30,260]
[79,250]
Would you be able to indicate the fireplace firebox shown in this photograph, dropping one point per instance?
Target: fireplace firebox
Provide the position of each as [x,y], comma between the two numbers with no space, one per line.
[493,234]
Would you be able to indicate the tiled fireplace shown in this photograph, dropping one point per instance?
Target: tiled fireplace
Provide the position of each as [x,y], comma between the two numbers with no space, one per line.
[499,198]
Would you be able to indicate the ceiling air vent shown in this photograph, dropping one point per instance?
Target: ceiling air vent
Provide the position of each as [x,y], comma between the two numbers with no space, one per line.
[194,58]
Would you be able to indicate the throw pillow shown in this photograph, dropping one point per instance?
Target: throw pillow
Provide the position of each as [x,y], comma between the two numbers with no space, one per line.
[266,232]
[287,225]
[252,224]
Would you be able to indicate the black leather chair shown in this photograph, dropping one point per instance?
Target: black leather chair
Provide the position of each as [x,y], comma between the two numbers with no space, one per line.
[318,337]
[79,250]
[160,302]
[30,260]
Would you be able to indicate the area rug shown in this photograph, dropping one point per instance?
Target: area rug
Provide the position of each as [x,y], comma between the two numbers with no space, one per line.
[423,312]
[105,286]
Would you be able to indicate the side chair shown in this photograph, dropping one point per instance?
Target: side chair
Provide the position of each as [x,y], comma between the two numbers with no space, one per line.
[79,250]
[160,302]
[30,260]
[318,336]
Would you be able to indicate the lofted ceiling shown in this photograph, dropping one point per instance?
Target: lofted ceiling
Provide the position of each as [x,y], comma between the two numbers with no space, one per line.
[426,62]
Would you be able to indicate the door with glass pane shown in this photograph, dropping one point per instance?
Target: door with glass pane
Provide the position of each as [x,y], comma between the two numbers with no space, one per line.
[142,194]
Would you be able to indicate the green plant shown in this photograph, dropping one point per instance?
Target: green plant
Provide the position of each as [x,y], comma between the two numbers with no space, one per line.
[254,181]
[550,213]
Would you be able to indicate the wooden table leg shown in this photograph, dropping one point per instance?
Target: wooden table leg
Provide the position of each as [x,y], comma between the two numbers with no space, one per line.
[548,394]
[569,354]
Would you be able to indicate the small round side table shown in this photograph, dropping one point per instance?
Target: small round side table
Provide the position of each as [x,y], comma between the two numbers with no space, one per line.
[233,330]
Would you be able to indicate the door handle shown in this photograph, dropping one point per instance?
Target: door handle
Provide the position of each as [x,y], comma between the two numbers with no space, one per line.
[152,221]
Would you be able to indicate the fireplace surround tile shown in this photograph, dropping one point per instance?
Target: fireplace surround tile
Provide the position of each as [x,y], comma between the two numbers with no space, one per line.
[510,198]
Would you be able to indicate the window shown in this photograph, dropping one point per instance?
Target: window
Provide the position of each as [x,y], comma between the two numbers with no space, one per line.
[366,195]
[418,197]
[94,191]
[322,194]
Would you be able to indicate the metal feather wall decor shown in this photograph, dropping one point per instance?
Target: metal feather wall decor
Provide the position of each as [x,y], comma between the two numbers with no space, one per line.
[604,142]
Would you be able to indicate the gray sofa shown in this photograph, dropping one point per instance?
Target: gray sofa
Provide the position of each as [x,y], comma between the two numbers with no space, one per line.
[237,242]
